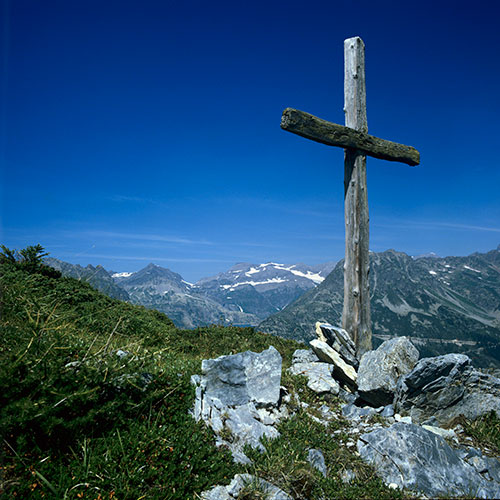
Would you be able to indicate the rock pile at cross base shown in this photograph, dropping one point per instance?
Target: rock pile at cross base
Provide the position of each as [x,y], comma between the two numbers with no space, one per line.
[240,397]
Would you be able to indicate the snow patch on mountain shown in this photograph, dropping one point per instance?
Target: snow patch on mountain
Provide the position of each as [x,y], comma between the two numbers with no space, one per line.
[253,270]
[471,269]
[253,283]
[316,278]
[121,275]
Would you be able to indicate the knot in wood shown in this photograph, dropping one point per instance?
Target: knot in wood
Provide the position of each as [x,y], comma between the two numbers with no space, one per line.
[285,120]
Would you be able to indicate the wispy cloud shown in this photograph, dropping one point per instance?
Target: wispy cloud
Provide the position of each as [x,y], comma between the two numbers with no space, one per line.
[144,237]
[407,224]
[468,227]
[307,208]
[133,199]
[151,258]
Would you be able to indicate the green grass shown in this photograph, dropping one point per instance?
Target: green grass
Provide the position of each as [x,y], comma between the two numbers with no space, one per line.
[78,421]
[485,432]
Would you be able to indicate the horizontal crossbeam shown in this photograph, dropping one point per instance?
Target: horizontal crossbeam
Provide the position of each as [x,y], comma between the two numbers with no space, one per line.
[331,134]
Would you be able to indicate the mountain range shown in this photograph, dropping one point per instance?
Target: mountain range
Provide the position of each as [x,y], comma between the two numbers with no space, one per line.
[244,295]
[443,304]
[96,276]
[449,304]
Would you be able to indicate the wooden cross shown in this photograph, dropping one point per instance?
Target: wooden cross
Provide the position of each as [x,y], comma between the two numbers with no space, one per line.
[358,144]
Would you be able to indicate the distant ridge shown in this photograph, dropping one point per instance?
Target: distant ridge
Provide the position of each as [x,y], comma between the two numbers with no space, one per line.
[96,276]
[244,295]
[449,304]
[431,255]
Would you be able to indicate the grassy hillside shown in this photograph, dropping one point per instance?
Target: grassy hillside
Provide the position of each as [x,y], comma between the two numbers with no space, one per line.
[77,421]
[95,395]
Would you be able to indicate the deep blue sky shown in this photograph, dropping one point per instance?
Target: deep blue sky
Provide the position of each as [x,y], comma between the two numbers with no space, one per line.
[138,131]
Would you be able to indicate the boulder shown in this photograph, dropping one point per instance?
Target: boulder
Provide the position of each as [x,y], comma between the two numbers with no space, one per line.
[418,460]
[304,356]
[339,340]
[442,388]
[247,376]
[355,413]
[243,422]
[342,371]
[380,370]
[388,411]
[237,396]
[319,376]
[216,493]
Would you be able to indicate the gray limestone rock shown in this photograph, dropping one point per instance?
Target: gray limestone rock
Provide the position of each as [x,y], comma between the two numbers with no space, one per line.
[237,396]
[122,354]
[388,411]
[342,371]
[304,356]
[493,466]
[245,427]
[380,370]
[339,340]
[355,413]
[416,459]
[216,493]
[489,467]
[347,396]
[317,460]
[247,376]
[441,388]
[319,376]
[445,433]
[240,481]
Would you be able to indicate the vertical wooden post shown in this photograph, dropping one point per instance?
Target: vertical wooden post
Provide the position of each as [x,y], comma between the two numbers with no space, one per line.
[356,313]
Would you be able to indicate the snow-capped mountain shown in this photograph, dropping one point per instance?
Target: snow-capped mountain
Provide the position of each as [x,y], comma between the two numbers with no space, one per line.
[152,279]
[444,304]
[243,295]
[159,288]
[262,289]
[265,276]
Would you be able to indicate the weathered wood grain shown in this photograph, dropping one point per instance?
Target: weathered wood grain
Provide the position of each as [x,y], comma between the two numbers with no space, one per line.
[332,134]
[357,144]
[356,312]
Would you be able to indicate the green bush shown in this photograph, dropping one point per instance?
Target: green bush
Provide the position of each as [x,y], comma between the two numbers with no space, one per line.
[29,259]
